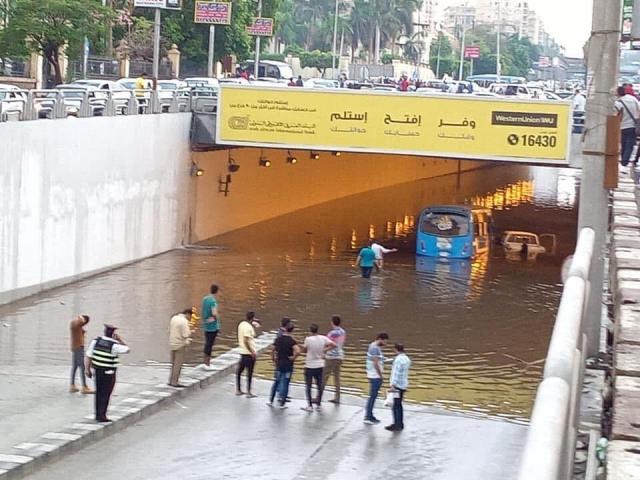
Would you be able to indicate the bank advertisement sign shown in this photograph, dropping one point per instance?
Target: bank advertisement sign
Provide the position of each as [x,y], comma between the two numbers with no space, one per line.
[442,126]
[261,26]
[212,13]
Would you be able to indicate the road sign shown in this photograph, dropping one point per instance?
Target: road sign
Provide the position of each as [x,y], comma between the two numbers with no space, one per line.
[471,52]
[165,4]
[463,126]
[544,62]
[261,27]
[212,12]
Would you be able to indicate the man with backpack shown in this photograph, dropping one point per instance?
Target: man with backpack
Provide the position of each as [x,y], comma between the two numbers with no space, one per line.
[628,109]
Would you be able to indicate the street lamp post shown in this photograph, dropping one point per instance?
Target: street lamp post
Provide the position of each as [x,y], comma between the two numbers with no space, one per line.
[464,36]
[257,58]
[335,41]
[498,66]
[438,59]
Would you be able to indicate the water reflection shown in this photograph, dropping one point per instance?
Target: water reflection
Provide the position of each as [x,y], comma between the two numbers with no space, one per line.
[476,330]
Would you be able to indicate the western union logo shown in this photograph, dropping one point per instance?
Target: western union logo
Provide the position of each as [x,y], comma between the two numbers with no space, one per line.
[525,119]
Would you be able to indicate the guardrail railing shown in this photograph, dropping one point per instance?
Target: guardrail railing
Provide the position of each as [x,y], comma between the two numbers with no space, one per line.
[27,105]
[551,440]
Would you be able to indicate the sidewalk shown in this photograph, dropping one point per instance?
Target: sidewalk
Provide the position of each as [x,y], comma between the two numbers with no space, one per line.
[214,434]
[624,446]
[40,421]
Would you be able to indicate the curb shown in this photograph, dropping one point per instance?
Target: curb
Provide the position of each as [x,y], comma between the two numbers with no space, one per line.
[28,457]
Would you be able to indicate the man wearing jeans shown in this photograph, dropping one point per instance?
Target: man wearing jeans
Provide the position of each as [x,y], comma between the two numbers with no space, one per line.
[399,382]
[284,352]
[210,324]
[77,351]
[375,366]
[366,260]
[315,347]
[333,358]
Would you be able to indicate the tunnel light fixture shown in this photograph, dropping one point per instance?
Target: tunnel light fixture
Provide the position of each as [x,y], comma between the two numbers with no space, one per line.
[314,155]
[265,162]
[337,154]
[196,171]
[232,165]
[291,158]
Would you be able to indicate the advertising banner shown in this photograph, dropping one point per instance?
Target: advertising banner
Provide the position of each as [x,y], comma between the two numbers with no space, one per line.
[627,19]
[150,3]
[459,126]
[261,26]
[471,52]
[212,13]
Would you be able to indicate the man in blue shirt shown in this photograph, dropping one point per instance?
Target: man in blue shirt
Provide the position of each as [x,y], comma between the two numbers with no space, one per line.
[366,260]
[210,324]
[399,382]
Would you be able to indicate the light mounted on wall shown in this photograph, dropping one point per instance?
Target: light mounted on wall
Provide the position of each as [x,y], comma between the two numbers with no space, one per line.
[314,155]
[291,158]
[232,166]
[196,171]
[337,154]
[264,162]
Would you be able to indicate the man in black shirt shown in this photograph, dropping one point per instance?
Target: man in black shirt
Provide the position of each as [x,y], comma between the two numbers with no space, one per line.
[283,355]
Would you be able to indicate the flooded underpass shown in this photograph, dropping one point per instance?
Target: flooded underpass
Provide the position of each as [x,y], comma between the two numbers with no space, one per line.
[477,331]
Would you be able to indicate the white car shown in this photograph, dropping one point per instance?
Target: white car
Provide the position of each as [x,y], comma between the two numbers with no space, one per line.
[514,241]
[119,93]
[202,82]
[321,83]
[12,101]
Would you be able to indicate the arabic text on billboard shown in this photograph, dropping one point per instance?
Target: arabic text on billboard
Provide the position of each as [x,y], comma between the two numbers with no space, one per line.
[472,52]
[213,13]
[261,26]
[450,127]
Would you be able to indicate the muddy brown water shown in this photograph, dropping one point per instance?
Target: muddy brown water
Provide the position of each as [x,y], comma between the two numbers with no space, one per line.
[477,331]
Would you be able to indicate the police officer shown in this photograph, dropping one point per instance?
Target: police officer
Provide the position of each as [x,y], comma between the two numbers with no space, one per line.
[102,355]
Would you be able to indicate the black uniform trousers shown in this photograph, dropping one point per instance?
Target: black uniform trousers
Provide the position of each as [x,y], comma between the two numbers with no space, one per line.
[105,381]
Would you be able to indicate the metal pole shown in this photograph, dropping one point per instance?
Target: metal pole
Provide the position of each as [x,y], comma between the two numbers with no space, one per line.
[156,46]
[335,41]
[464,33]
[438,59]
[471,68]
[212,43]
[498,67]
[603,53]
[635,21]
[257,59]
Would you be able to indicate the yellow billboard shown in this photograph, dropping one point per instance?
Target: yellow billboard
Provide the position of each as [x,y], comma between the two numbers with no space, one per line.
[455,126]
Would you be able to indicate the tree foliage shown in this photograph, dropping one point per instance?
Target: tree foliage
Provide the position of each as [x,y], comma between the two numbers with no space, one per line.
[48,26]
[316,59]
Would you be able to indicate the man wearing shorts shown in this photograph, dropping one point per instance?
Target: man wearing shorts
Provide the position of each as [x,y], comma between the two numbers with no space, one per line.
[210,324]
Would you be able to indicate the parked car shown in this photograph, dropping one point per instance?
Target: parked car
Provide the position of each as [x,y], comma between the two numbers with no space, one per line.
[142,97]
[202,82]
[119,93]
[72,97]
[12,101]
[321,83]
[515,241]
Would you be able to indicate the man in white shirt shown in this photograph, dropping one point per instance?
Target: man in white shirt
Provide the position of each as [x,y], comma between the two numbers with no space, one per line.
[315,347]
[248,352]
[628,109]
[179,338]
[579,102]
[379,250]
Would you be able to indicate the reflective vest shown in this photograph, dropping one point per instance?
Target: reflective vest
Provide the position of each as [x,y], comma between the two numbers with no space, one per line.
[103,357]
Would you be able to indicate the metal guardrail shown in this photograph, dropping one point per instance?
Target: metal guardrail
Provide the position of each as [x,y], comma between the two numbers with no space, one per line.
[28,105]
[551,440]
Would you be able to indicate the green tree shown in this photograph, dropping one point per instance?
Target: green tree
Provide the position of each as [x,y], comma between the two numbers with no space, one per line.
[316,59]
[441,47]
[48,26]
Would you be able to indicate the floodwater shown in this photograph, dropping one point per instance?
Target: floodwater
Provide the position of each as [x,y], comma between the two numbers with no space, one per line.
[477,331]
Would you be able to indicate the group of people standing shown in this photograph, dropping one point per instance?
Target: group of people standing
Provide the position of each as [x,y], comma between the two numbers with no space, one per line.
[324,356]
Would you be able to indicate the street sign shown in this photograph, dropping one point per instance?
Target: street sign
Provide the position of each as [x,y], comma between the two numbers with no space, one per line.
[212,12]
[164,4]
[627,17]
[462,126]
[471,52]
[261,27]
[544,62]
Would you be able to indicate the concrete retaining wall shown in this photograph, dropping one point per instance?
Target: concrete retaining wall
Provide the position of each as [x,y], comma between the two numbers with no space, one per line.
[81,195]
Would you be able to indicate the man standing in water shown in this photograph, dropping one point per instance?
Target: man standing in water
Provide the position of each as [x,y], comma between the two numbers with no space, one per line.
[379,250]
[366,260]
[248,353]
[210,324]
[375,366]
[399,382]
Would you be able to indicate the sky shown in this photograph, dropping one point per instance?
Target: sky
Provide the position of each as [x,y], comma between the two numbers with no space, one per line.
[568,21]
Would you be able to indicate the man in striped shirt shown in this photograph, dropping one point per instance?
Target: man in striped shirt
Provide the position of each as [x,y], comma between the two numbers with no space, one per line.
[399,382]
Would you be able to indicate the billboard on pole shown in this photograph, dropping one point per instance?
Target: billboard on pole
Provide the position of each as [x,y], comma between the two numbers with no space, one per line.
[212,12]
[150,3]
[471,52]
[627,19]
[261,27]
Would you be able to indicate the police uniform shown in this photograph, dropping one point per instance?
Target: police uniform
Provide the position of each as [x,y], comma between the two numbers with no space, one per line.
[103,352]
